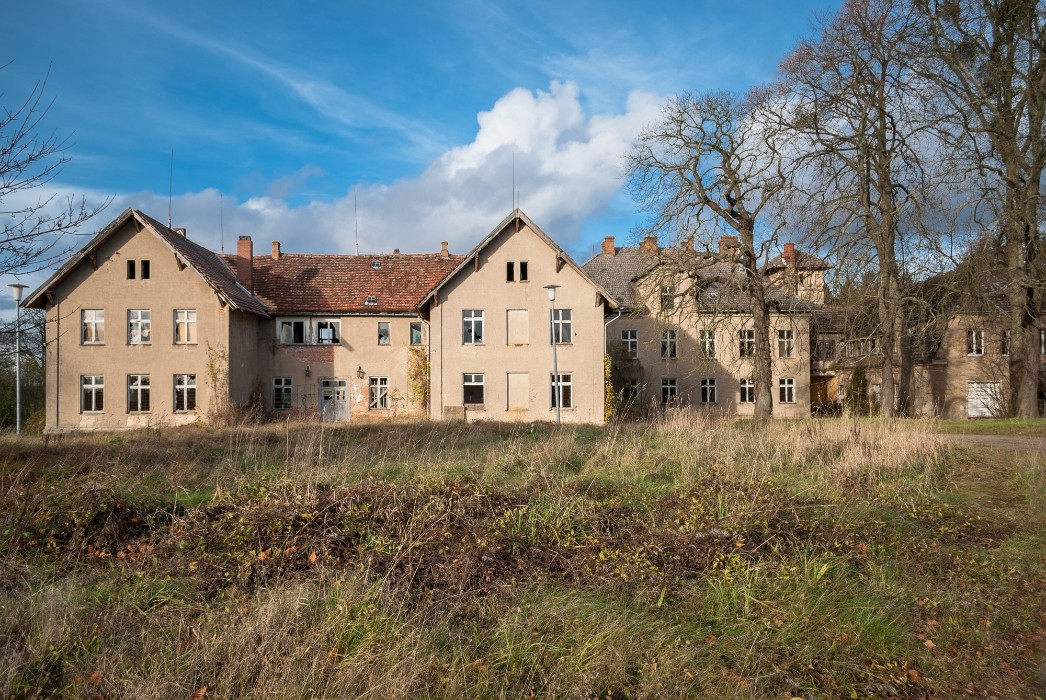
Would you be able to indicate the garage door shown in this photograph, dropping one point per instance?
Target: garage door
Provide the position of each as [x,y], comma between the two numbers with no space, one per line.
[982,400]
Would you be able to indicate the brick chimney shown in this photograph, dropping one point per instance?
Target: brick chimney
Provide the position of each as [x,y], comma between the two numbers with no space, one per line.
[444,250]
[180,231]
[687,243]
[245,262]
[608,247]
[276,252]
[729,245]
[648,246]
[789,255]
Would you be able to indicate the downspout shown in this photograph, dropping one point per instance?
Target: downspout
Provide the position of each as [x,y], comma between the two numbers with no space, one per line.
[57,362]
[442,332]
[428,357]
[606,327]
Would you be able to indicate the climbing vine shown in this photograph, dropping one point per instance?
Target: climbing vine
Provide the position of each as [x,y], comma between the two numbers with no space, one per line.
[418,377]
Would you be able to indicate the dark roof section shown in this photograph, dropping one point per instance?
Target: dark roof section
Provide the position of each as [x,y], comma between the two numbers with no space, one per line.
[340,284]
[721,282]
[517,214]
[803,261]
[205,262]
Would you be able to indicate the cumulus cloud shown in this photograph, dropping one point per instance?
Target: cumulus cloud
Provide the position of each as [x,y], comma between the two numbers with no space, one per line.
[568,169]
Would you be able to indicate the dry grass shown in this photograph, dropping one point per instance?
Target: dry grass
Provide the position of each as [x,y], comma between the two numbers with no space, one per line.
[675,558]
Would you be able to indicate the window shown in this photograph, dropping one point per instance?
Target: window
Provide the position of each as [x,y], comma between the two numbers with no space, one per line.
[184,326]
[668,345]
[184,392]
[824,350]
[561,326]
[137,393]
[145,269]
[630,339]
[1004,343]
[785,343]
[708,391]
[975,343]
[379,393]
[130,269]
[375,264]
[472,389]
[668,297]
[564,383]
[92,326]
[415,333]
[139,326]
[384,333]
[510,273]
[282,393]
[630,391]
[370,301]
[862,347]
[668,392]
[92,393]
[747,391]
[523,276]
[746,343]
[706,343]
[328,332]
[1042,342]
[472,326]
[786,389]
[292,332]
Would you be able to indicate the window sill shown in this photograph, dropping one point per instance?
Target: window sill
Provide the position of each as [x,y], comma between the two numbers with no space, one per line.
[186,343]
[138,413]
[475,407]
[135,345]
[92,413]
[467,345]
[93,344]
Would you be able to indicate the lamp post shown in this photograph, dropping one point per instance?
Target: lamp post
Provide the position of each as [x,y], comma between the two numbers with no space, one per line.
[17,288]
[555,360]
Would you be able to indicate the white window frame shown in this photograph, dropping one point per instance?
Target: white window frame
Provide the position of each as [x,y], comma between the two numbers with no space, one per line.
[378,393]
[669,344]
[746,343]
[93,386]
[185,327]
[630,340]
[472,327]
[93,319]
[746,390]
[786,390]
[139,393]
[669,391]
[139,327]
[566,384]
[292,324]
[706,343]
[975,343]
[384,333]
[668,297]
[185,392]
[473,379]
[708,390]
[331,327]
[282,387]
[562,327]
[785,343]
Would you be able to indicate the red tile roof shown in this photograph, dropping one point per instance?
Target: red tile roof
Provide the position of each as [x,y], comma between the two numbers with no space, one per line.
[340,284]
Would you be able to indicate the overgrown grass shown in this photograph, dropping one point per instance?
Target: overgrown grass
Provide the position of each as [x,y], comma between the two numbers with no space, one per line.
[676,558]
[1032,427]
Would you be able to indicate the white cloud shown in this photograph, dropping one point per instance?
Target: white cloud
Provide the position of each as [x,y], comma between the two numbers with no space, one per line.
[568,168]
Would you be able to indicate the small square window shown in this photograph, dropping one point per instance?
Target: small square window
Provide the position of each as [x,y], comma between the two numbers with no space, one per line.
[371,301]
[375,264]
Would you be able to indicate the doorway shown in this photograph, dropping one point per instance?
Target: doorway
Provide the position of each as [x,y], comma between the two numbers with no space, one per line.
[334,400]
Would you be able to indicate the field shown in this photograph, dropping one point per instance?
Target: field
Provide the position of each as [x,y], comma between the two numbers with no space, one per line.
[678,558]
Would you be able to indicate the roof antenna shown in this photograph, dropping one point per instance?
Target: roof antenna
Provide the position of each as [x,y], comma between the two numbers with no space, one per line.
[514,203]
[356,219]
[221,219]
[170,190]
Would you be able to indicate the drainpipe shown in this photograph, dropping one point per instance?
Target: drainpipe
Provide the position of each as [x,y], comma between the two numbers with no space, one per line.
[606,327]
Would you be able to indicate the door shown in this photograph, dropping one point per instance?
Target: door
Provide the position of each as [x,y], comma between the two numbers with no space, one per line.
[982,400]
[334,399]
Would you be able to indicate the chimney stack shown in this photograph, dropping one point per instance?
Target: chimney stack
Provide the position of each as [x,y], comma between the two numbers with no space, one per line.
[245,262]
[729,245]
[276,252]
[444,250]
[395,251]
[789,255]
[180,231]
[648,246]
[687,243]
[608,247]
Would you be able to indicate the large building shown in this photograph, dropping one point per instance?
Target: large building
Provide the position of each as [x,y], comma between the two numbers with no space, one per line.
[146,327]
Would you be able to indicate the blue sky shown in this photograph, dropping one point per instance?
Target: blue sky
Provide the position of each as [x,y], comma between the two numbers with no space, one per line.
[278,112]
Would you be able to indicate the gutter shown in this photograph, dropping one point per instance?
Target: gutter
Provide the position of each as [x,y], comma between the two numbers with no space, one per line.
[605,326]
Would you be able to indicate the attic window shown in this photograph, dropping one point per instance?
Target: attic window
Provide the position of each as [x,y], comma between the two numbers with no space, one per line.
[372,301]
[375,265]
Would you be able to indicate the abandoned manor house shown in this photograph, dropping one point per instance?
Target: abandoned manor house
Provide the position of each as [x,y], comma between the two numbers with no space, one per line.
[146,327]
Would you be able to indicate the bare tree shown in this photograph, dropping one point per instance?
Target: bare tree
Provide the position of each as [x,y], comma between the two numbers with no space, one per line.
[706,165]
[989,62]
[856,119]
[34,224]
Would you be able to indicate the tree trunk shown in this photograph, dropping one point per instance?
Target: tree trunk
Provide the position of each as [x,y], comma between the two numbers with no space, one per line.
[762,374]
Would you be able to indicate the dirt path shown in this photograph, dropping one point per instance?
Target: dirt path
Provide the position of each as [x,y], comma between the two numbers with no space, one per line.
[1003,442]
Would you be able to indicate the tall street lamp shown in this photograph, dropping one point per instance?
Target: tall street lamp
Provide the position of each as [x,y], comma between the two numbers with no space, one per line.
[17,288]
[555,360]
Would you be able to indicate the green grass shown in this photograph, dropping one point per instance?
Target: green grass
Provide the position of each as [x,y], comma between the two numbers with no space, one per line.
[1032,427]
[677,558]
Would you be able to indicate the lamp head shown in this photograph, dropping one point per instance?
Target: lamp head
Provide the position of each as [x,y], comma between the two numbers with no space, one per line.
[17,288]
[551,291]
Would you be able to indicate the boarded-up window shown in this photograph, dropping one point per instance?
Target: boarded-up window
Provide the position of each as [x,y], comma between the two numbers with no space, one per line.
[518,391]
[518,327]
